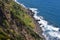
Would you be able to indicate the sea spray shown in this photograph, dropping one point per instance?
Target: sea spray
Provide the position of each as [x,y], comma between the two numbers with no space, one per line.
[49,31]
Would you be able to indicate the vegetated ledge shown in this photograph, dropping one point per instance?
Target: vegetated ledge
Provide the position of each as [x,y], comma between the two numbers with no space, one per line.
[17,23]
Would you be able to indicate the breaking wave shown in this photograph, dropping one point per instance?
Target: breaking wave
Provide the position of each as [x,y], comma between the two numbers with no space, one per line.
[49,31]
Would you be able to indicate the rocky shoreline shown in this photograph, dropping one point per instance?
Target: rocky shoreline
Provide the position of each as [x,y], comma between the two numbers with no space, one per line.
[37,29]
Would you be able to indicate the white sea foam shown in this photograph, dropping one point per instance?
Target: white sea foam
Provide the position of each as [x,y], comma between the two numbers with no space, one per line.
[21,4]
[47,29]
[54,34]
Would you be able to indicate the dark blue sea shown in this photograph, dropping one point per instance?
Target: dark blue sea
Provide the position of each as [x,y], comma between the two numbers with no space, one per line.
[49,10]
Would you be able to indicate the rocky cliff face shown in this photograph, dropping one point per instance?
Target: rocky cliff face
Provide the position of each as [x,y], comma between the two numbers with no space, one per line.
[15,23]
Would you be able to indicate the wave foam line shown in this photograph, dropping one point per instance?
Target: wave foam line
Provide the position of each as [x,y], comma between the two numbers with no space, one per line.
[47,29]
[20,4]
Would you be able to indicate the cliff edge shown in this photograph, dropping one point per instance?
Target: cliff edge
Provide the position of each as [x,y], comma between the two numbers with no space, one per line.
[16,23]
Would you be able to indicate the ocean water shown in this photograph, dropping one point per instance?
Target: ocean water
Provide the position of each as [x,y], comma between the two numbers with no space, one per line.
[50,12]
[49,9]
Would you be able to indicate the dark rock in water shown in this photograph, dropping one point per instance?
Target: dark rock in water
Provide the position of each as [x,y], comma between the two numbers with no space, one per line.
[40,24]
[59,29]
[37,20]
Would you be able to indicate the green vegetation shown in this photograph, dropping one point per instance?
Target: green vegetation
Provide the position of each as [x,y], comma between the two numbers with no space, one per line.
[15,23]
[18,12]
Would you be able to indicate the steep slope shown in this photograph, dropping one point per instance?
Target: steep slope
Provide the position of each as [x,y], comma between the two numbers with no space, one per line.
[16,23]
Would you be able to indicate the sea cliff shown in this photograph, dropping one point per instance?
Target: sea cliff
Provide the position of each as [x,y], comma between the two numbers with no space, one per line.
[17,22]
